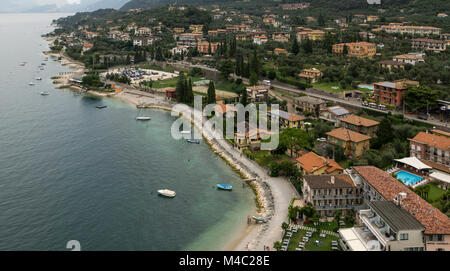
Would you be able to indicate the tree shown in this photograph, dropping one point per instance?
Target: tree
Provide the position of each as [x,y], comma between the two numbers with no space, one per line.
[272,75]
[226,68]
[384,133]
[420,98]
[293,212]
[189,92]
[345,50]
[307,46]
[253,79]
[295,47]
[288,168]
[274,169]
[294,140]
[321,20]
[308,211]
[244,97]
[277,245]
[211,94]
[180,88]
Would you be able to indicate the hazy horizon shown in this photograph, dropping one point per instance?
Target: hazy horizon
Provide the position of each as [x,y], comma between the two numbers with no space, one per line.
[55,6]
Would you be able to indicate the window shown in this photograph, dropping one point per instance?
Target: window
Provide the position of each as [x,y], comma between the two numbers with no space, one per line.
[403,236]
[413,147]
[440,237]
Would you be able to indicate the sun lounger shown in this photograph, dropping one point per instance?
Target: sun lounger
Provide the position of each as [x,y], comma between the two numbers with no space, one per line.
[298,249]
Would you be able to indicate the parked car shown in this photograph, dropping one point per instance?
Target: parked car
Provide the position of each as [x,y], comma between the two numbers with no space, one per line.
[422,117]
[322,139]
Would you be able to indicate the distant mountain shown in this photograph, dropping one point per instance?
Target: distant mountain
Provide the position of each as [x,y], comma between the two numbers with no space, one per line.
[102,4]
[134,4]
[28,6]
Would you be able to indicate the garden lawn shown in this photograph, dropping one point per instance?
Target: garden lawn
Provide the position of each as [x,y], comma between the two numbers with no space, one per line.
[172,82]
[311,245]
[329,87]
[435,192]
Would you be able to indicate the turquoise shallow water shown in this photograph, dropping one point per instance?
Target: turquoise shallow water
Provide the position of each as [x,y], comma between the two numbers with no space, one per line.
[69,171]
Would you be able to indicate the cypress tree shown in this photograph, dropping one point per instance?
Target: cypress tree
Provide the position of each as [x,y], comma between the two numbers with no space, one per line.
[244,97]
[179,90]
[189,92]
[211,96]
[295,47]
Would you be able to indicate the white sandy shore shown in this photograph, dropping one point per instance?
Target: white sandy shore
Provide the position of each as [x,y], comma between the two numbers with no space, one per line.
[274,194]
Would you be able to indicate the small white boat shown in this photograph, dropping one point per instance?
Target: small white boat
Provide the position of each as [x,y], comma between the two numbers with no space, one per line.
[31,84]
[167,193]
[38,78]
[45,93]
[143,118]
[186,132]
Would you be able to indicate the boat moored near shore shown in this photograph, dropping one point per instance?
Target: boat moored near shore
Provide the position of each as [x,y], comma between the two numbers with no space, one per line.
[225,187]
[167,193]
[143,118]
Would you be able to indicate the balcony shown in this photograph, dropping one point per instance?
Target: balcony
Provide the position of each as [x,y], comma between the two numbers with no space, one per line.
[333,207]
[335,196]
[378,229]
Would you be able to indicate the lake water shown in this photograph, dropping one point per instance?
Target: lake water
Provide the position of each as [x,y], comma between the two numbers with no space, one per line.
[69,171]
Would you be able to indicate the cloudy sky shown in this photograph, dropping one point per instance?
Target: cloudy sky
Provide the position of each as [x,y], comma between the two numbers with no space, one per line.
[57,2]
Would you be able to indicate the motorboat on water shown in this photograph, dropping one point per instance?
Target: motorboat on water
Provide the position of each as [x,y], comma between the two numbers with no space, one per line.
[45,93]
[167,193]
[101,106]
[38,78]
[185,132]
[143,118]
[225,187]
[31,84]
[193,141]
[259,219]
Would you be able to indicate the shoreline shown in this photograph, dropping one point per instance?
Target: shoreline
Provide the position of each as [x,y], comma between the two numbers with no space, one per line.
[247,237]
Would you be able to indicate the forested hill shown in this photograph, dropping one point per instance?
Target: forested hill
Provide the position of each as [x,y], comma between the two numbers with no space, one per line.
[409,6]
[134,4]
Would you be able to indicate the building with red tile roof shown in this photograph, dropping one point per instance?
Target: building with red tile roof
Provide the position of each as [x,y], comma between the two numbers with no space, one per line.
[431,147]
[331,193]
[379,185]
[353,143]
[359,124]
[314,164]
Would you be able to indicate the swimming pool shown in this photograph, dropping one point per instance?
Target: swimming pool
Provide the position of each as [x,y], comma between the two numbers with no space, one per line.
[370,87]
[408,178]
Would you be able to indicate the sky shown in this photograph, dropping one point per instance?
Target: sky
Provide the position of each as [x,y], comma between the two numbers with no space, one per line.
[57,2]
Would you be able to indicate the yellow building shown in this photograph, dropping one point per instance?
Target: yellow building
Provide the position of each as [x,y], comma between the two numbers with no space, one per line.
[307,33]
[353,143]
[356,49]
[310,75]
[288,120]
[196,27]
